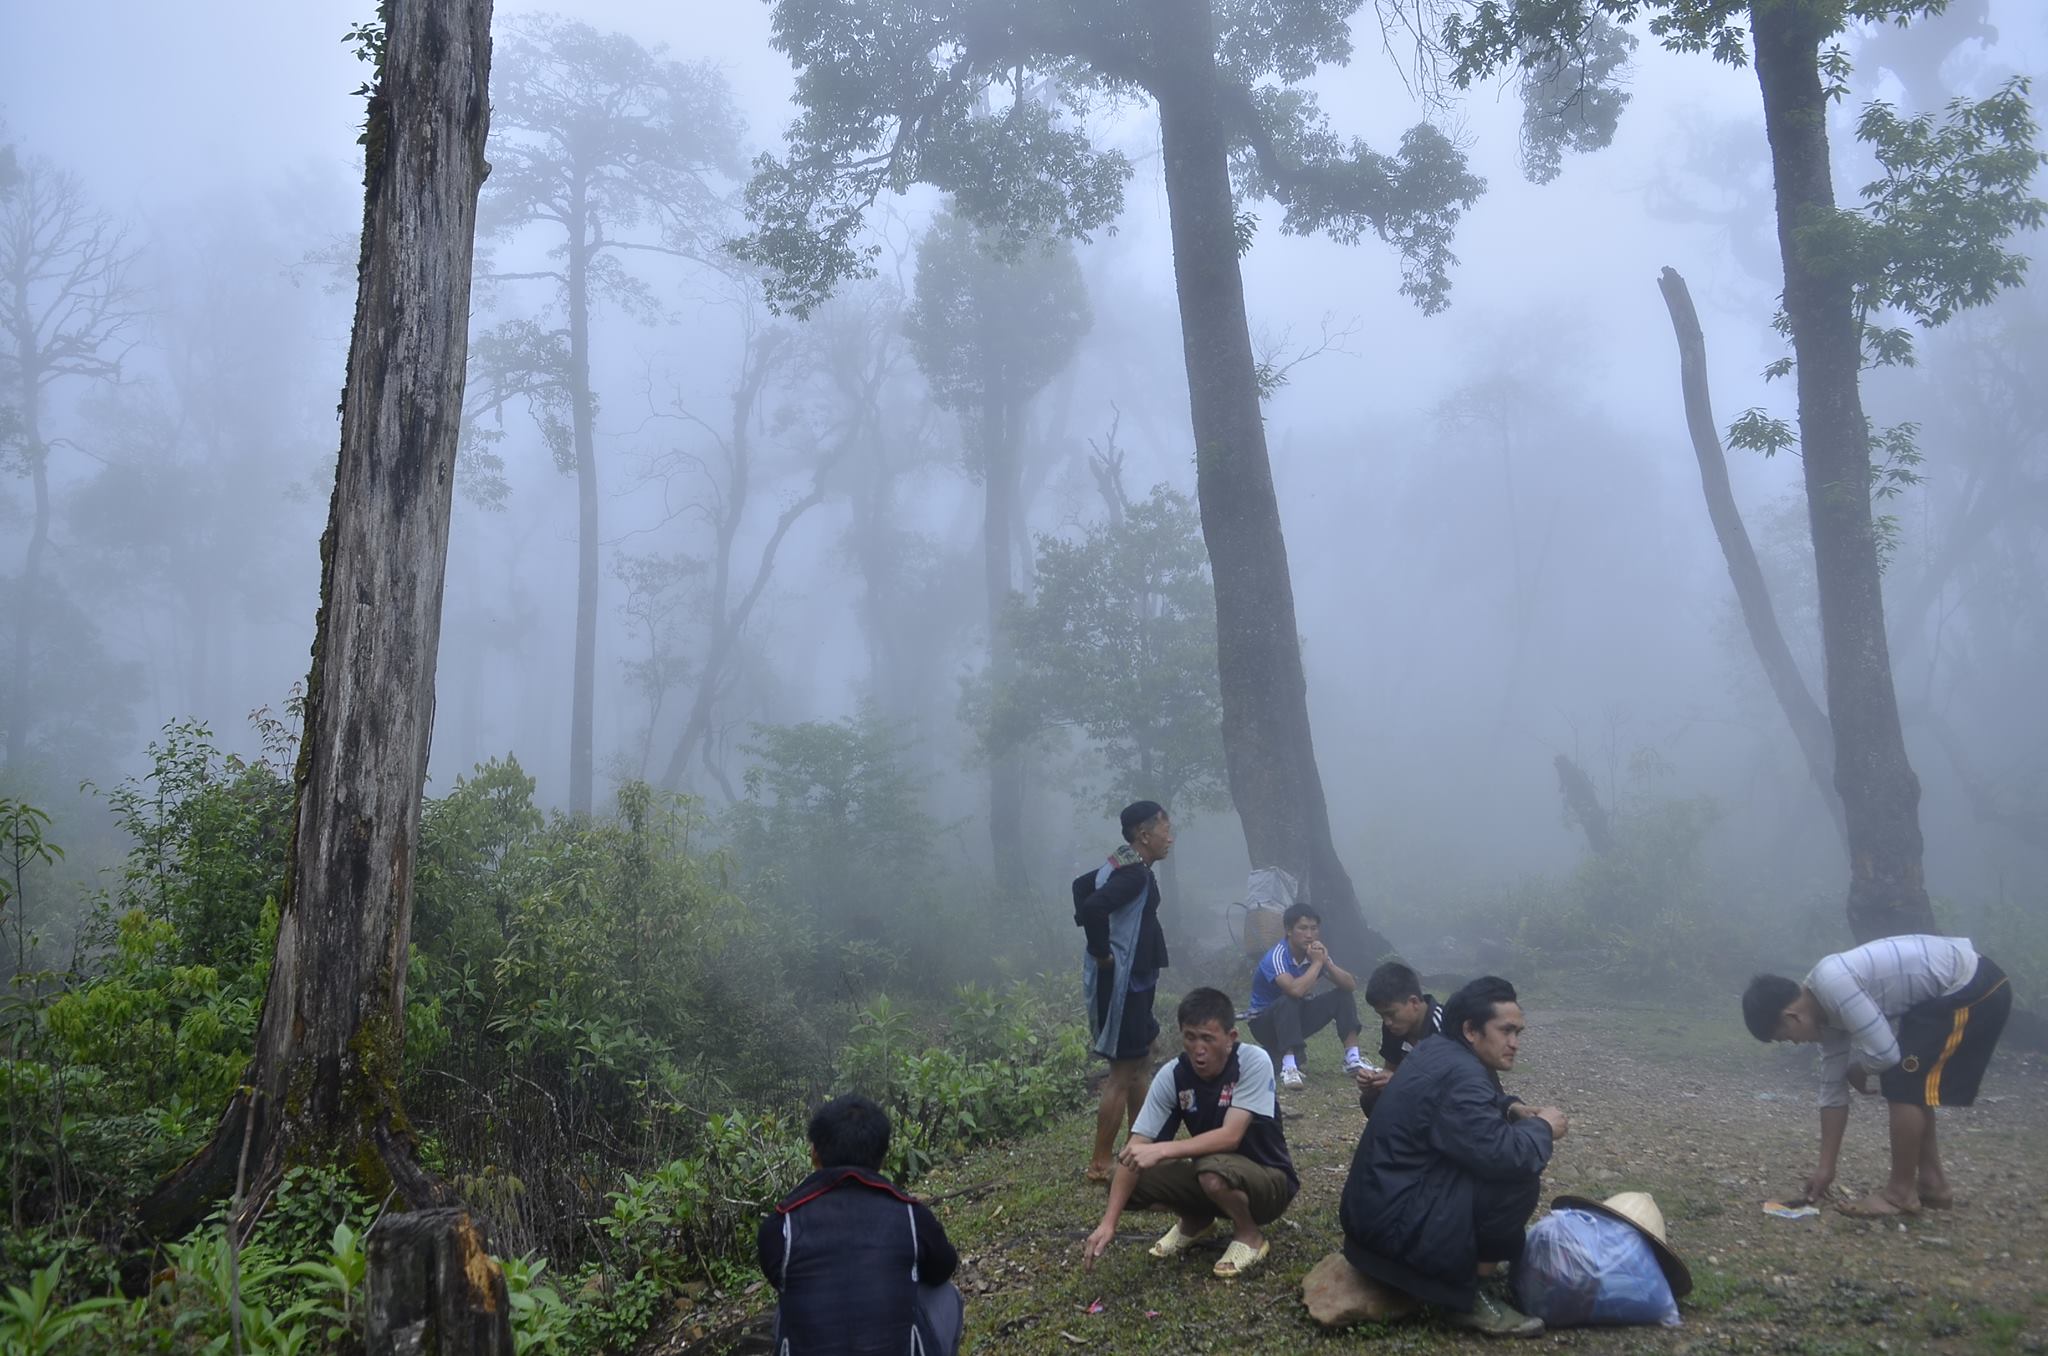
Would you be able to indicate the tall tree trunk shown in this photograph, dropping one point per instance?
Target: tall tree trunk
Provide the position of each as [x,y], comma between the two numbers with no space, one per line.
[582,700]
[1880,795]
[1809,723]
[1000,489]
[324,1080]
[28,600]
[1267,745]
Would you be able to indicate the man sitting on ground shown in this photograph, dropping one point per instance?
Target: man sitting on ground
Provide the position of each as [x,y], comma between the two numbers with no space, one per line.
[1285,1008]
[1234,1164]
[1407,1014]
[1449,1168]
[1950,1005]
[859,1266]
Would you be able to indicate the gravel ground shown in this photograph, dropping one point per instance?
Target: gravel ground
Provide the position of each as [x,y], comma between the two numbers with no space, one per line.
[1678,1103]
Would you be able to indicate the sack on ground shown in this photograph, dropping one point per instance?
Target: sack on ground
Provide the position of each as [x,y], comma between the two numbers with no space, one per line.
[1579,1267]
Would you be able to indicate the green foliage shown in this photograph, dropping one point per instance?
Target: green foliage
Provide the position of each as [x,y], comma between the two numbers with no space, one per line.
[209,832]
[600,1054]
[996,114]
[1119,642]
[1931,240]
[832,828]
[1010,1064]
[992,325]
[34,1322]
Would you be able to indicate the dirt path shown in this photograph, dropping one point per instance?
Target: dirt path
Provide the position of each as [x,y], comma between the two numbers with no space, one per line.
[1684,1106]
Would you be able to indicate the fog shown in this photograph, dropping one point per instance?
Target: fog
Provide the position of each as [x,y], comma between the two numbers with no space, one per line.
[1498,543]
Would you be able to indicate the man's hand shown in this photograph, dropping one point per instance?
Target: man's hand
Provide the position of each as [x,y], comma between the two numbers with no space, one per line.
[1818,1185]
[1097,1244]
[1105,962]
[1859,1079]
[1555,1118]
[1318,952]
[1139,1157]
[1368,1079]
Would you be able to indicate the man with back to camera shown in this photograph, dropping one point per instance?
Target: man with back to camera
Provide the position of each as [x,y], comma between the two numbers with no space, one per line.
[1117,908]
[1285,1008]
[860,1268]
[1450,1166]
[1950,1005]
[1234,1164]
[1406,1014]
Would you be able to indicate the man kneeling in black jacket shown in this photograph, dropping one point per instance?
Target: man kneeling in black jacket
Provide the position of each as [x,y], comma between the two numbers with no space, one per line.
[1450,1166]
[860,1267]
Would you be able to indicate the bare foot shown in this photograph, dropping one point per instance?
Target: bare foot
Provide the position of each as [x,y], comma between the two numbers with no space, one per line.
[1877,1205]
[1928,1201]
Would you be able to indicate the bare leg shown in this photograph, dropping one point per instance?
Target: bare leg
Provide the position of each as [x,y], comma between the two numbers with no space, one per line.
[1234,1204]
[1911,1130]
[1935,1192]
[1122,1093]
[1134,1091]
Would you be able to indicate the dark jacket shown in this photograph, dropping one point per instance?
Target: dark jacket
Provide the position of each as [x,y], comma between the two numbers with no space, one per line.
[1092,908]
[847,1252]
[1439,1140]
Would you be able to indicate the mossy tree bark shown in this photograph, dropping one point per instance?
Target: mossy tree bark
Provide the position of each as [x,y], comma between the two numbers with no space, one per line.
[1267,743]
[323,1082]
[1880,793]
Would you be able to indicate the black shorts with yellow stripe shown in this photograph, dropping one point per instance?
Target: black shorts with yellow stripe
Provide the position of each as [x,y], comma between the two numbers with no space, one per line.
[1945,1043]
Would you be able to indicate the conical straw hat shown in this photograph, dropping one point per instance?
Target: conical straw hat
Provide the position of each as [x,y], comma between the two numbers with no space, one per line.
[1639,1208]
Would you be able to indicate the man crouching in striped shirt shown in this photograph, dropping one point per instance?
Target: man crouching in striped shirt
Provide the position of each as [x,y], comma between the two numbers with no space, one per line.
[1949,1003]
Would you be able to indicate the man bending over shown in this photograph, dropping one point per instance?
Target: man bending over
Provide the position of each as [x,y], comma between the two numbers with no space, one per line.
[1950,1005]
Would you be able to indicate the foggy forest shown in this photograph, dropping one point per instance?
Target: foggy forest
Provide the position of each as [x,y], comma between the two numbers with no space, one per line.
[576,582]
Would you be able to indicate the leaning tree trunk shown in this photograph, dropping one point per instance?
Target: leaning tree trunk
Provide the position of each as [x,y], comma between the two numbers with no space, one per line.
[1267,746]
[324,1081]
[1809,723]
[1582,803]
[1880,794]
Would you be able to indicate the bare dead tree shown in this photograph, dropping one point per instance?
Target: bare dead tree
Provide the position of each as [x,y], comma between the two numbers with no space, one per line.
[329,1049]
[1802,712]
[727,482]
[68,310]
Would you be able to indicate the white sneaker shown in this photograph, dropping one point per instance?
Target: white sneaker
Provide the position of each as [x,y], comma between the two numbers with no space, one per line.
[1291,1078]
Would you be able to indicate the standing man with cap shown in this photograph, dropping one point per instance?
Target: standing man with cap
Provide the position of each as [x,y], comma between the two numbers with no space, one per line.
[1117,908]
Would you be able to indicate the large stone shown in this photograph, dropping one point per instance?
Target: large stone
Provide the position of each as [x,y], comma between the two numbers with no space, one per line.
[1338,1296]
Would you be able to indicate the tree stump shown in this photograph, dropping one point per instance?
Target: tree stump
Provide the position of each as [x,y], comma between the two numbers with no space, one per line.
[433,1288]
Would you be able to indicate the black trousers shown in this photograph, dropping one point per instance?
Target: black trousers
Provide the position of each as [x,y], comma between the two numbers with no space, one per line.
[1500,1216]
[1287,1025]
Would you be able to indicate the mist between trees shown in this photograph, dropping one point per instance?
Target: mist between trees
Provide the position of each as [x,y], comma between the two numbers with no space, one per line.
[893,439]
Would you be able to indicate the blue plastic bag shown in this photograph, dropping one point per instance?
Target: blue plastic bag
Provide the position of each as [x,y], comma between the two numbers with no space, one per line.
[1579,1268]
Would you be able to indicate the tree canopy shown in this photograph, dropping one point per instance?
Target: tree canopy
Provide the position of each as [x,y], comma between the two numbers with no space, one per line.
[991,101]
